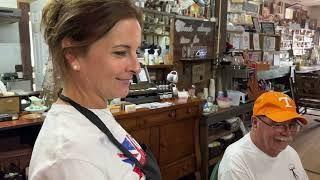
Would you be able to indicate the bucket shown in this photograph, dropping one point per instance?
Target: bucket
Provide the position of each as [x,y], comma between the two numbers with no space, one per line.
[235,97]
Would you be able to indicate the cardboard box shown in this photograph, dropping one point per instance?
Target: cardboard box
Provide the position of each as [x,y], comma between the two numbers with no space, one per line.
[261,67]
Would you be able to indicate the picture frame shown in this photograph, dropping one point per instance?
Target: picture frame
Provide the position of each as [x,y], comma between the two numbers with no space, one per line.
[256,41]
[256,24]
[246,40]
[267,27]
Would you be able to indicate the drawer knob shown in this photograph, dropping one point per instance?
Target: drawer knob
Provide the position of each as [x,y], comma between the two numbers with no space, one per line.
[189,110]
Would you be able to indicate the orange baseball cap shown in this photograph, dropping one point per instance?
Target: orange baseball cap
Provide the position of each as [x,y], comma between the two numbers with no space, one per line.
[277,106]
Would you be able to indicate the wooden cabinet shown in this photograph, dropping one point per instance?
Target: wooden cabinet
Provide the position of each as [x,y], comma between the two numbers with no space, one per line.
[172,133]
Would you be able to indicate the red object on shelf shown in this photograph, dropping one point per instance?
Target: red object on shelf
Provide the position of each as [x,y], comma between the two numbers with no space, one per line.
[260,66]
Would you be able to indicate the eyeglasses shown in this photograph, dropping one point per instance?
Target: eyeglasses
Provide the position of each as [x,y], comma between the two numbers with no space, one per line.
[281,127]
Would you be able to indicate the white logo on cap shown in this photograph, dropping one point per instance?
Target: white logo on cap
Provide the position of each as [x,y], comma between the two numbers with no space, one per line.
[286,99]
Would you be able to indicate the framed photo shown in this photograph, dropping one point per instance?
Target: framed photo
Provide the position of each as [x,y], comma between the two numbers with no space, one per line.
[256,41]
[246,40]
[256,24]
[267,27]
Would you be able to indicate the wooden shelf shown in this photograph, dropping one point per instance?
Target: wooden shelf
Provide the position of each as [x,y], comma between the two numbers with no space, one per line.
[191,18]
[156,12]
[214,135]
[215,160]
[154,34]
[235,31]
[196,59]
[244,24]
[157,24]
[160,66]
[270,51]
[236,12]
[266,34]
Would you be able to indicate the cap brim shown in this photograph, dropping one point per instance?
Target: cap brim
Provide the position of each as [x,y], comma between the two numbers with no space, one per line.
[284,116]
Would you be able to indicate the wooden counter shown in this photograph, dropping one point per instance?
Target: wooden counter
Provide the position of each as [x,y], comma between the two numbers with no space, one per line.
[172,133]
[6,125]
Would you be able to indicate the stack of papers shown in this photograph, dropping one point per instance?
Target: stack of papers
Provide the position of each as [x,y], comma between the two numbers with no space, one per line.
[154,105]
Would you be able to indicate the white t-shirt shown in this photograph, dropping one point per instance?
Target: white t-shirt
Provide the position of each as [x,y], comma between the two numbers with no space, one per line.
[70,147]
[243,160]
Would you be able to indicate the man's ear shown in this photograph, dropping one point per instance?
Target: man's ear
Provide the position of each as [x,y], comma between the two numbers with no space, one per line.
[69,55]
[254,123]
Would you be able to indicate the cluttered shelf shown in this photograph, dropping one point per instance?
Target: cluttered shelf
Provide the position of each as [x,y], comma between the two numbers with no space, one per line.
[225,113]
[216,134]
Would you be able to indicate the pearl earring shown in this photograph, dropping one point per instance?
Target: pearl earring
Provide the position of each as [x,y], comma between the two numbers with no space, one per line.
[75,67]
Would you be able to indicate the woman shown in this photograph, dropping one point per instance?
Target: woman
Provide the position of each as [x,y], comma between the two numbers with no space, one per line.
[93,45]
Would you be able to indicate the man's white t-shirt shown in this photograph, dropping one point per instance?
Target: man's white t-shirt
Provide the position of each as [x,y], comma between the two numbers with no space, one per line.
[70,147]
[243,160]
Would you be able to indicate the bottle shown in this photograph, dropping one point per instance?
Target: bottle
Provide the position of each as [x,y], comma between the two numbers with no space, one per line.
[156,56]
[212,89]
[205,93]
[146,56]
[151,59]
[168,7]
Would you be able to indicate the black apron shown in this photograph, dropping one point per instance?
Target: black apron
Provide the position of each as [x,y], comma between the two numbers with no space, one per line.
[150,169]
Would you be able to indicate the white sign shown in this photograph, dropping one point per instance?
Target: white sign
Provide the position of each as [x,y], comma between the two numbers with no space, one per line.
[184,40]
[181,26]
[195,39]
[204,29]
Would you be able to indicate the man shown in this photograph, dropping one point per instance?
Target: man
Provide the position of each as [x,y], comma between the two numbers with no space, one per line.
[264,153]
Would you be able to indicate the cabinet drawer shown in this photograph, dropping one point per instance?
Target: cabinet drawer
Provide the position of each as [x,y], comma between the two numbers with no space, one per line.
[179,169]
[128,124]
[156,119]
[187,112]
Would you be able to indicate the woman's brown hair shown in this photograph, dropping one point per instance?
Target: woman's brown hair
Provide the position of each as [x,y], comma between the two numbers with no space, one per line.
[83,21]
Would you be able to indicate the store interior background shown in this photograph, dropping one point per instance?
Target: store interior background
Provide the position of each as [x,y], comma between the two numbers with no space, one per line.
[11,48]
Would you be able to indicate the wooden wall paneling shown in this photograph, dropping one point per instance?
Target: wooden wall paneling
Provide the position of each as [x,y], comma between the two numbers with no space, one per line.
[25,41]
